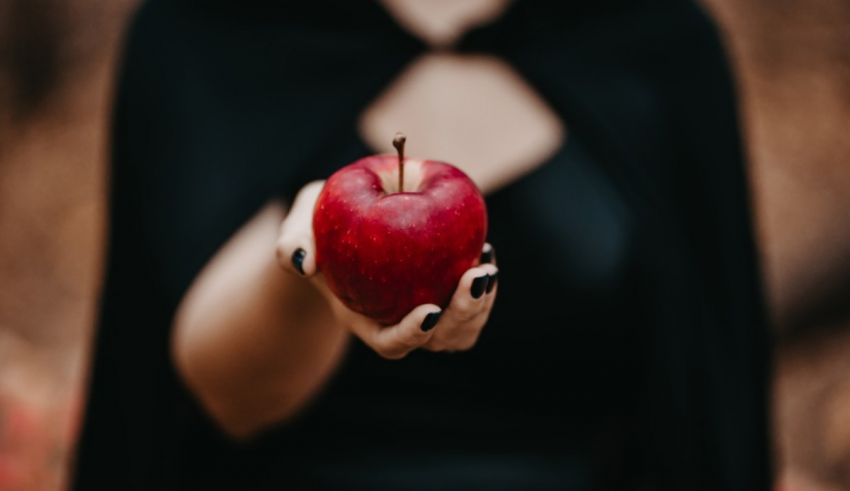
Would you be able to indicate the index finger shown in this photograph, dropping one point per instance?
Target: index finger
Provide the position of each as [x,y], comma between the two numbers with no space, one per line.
[394,342]
[296,247]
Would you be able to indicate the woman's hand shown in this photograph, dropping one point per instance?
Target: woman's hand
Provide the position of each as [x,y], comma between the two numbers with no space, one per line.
[427,326]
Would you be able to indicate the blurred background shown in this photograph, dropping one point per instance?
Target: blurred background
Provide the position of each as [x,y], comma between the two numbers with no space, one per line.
[59,63]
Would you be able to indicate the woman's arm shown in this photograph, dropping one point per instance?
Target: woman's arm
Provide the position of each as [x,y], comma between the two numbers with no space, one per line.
[254,341]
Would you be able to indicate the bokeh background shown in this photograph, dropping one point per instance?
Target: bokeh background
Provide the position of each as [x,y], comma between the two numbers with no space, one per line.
[59,60]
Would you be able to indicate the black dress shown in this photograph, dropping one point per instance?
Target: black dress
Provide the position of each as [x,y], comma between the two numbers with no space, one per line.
[637,360]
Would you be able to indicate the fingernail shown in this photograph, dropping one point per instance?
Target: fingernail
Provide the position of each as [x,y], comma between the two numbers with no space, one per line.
[430,321]
[298,260]
[478,286]
[486,256]
[492,283]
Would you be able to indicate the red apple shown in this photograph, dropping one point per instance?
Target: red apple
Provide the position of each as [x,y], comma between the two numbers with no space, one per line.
[393,233]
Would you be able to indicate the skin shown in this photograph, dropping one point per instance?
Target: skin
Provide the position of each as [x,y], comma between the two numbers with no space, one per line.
[210,347]
[798,176]
[790,61]
[286,332]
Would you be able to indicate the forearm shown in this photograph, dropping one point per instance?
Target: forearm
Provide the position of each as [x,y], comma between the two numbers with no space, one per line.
[253,342]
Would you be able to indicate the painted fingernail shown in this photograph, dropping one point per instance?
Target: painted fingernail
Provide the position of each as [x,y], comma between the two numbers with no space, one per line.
[486,256]
[478,286]
[430,321]
[298,260]
[492,283]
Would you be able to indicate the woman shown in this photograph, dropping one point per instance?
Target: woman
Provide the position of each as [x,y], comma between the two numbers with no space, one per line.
[627,348]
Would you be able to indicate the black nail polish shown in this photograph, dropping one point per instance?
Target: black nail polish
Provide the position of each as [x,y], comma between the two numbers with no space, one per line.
[478,286]
[298,260]
[430,321]
[486,257]
[492,283]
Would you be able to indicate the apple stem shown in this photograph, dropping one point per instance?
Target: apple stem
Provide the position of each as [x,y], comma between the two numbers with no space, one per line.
[398,143]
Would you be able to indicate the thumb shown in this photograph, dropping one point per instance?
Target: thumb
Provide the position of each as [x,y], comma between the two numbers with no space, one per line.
[296,248]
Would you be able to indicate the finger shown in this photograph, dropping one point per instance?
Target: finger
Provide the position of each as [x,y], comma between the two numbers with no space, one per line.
[468,311]
[394,342]
[468,332]
[470,297]
[488,254]
[296,248]
[490,292]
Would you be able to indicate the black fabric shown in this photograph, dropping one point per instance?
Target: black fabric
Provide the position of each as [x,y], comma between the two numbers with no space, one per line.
[628,348]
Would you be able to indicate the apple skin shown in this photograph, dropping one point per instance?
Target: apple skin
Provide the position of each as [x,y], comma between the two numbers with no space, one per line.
[383,252]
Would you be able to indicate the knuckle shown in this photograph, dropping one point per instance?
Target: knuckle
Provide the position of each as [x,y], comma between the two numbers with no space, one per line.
[460,340]
[280,254]
[436,345]
[284,247]
[463,307]
[420,337]
[465,316]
